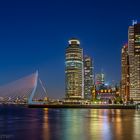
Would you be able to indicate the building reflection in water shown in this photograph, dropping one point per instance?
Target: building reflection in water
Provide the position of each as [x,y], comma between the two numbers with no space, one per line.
[46,133]
[136,125]
[113,124]
[69,124]
[98,125]
[73,125]
[102,124]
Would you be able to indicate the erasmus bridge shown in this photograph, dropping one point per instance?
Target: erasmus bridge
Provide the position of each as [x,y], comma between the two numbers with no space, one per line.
[27,89]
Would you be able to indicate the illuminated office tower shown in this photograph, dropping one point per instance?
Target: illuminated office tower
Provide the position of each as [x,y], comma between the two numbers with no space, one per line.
[125,73]
[74,76]
[88,77]
[134,60]
[99,81]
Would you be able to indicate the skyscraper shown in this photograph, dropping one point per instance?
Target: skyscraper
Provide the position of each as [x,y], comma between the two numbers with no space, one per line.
[88,77]
[99,80]
[134,60]
[74,76]
[125,73]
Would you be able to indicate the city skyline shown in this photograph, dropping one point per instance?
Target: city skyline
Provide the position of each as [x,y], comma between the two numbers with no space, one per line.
[36,38]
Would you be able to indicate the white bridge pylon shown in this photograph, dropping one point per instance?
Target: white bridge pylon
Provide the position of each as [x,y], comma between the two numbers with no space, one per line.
[34,95]
[27,89]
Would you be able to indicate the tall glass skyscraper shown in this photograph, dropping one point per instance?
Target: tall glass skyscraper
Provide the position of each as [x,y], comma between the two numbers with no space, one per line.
[88,77]
[74,77]
[125,73]
[134,60]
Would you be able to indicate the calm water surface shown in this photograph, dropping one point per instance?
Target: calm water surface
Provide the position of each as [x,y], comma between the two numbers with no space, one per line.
[19,123]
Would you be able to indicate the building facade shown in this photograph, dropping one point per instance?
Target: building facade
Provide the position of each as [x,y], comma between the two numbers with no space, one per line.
[99,80]
[74,74]
[134,60]
[125,73]
[88,77]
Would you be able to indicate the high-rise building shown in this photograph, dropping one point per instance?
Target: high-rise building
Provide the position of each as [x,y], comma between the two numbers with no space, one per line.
[74,74]
[99,80]
[134,60]
[125,73]
[88,77]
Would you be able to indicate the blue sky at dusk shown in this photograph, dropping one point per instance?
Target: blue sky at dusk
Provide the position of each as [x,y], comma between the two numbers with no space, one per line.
[34,35]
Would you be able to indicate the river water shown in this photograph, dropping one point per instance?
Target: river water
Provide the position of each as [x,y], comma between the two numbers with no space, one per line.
[23,123]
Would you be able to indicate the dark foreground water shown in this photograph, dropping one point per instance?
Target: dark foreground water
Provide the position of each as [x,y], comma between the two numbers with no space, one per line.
[19,123]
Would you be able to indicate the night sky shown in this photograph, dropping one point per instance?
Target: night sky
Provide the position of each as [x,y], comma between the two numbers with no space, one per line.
[34,35]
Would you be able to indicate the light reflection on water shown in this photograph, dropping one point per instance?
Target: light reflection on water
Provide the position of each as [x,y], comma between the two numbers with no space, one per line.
[69,124]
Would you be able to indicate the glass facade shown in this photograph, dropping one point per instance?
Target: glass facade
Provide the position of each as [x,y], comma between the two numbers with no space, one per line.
[100,81]
[74,70]
[125,73]
[88,77]
[134,60]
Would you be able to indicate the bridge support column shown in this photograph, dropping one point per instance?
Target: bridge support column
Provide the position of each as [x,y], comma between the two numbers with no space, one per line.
[30,100]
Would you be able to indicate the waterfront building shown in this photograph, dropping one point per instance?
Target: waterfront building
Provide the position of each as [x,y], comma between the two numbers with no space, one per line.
[88,77]
[105,94]
[74,72]
[125,73]
[134,60]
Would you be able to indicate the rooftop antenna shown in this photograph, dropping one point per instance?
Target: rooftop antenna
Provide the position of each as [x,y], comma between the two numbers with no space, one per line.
[134,22]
